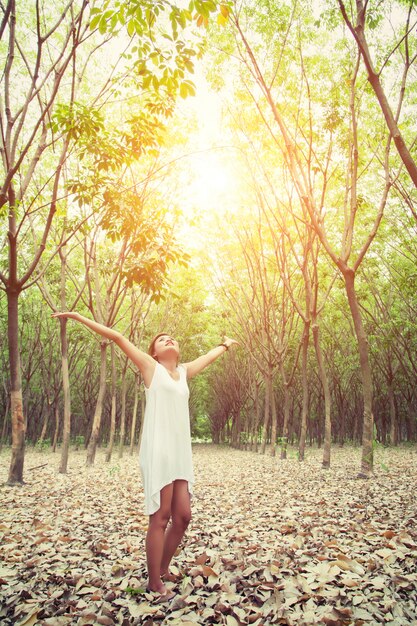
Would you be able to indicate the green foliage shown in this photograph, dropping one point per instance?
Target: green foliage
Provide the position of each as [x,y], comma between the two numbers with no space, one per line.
[152,246]
[162,59]
[135,591]
[244,437]
[144,133]
[43,445]
[79,441]
[114,470]
[104,148]
[201,430]
[77,121]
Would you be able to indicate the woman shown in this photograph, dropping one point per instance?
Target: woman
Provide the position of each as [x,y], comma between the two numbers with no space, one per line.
[165,451]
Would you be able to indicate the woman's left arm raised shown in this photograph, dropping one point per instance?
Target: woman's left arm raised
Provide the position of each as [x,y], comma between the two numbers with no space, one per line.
[200,363]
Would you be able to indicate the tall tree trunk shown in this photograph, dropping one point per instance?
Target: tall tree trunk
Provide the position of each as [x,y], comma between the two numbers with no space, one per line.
[411,420]
[356,429]
[340,420]
[16,400]
[56,431]
[66,426]
[256,420]
[252,425]
[304,409]
[233,433]
[123,414]
[45,423]
[393,433]
[274,419]
[113,403]
[285,426]
[266,416]
[367,460]
[327,397]
[251,419]
[92,444]
[236,430]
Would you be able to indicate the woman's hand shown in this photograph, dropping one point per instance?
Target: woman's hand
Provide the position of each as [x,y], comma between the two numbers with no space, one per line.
[228,342]
[66,314]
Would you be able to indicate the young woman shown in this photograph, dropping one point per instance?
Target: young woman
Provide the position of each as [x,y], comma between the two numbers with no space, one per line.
[165,450]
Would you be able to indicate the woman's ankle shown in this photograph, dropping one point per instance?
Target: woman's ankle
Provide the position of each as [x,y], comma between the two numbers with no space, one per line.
[168,577]
[157,587]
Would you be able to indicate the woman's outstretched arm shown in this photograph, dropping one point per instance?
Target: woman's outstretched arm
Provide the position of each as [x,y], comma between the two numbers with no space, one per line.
[197,366]
[143,361]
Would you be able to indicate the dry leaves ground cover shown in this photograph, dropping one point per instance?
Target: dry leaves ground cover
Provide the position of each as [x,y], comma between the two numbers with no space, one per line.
[271,542]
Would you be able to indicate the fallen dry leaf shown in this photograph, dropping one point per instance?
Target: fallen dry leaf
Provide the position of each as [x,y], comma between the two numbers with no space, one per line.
[270,542]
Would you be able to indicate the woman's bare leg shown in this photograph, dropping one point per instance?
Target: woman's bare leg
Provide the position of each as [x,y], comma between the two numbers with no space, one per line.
[181,515]
[155,539]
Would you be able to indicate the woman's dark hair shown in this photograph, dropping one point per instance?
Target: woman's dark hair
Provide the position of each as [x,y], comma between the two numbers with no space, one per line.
[152,344]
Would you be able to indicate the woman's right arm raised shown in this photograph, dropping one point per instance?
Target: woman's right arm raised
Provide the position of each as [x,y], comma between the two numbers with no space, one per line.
[144,362]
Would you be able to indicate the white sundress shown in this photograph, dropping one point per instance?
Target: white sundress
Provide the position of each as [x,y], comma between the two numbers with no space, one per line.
[165,448]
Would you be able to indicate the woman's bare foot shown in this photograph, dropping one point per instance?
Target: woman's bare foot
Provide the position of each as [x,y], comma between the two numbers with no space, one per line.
[159,588]
[161,593]
[168,577]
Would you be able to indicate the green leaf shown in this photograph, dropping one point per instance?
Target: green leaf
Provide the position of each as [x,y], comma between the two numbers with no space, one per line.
[131,28]
[94,22]
[114,21]
[102,27]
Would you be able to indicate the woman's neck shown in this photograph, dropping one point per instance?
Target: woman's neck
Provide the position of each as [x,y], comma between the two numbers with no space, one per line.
[169,364]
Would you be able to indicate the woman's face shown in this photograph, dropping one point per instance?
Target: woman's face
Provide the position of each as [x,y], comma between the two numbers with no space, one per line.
[165,345]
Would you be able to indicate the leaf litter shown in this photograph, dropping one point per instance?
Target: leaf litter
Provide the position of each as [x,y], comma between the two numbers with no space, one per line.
[271,542]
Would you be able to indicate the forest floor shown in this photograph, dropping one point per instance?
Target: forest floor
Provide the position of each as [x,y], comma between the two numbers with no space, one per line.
[271,542]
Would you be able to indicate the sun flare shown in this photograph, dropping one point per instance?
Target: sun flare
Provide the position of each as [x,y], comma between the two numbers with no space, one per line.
[214,185]
[214,176]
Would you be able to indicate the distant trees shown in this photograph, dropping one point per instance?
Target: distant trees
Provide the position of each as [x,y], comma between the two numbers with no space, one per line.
[326,160]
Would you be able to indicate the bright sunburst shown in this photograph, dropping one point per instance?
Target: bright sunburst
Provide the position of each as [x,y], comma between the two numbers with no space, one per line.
[214,177]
